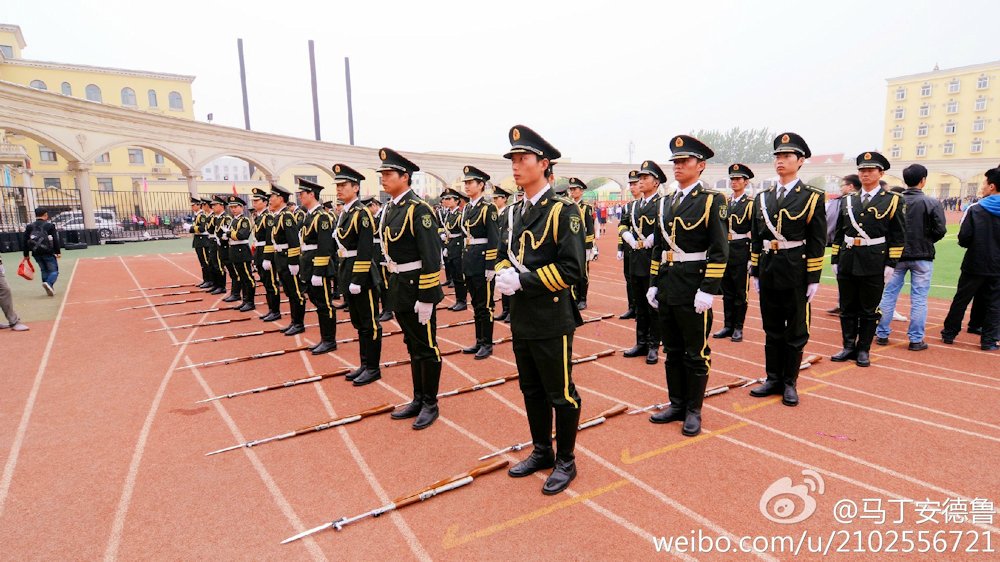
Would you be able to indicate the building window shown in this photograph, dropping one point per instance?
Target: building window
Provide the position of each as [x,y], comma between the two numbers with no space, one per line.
[38,85]
[981,103]
[900,93]
[921,150]
[950,127]
[898,114]
[925,90]
[313,179]
[67,90]
[158,158]
[979,125]
[922,130]
[954,86]
[94,93]
[949,147]
[7,50]
[983,82]
[46,154]
[175,100]
[105,184]
[977,146]
[135,156]
[894,153]
[152,98]
[128,97]
[952,106]
[897,132]
[52,183]
[104,158]
[925,110]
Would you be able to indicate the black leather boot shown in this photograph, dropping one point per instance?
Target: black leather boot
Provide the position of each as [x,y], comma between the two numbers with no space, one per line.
[737,334]
[866,334]
[770,387]
[725,332]
[564,472]
[791,396]
[639,350]
[774,366]
[363,352]
[540,424]
[695,396]
[431,371]
[370,356]
[412,409]
[324,347]
[849,329]
[627,315]
[677,392]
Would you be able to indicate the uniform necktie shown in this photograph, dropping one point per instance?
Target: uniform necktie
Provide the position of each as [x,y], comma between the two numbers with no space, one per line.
[865,199]
[527,207]
[677,200]
[781,194]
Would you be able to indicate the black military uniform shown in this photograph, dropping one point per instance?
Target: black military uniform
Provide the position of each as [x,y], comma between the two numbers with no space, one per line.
[379,258]
[870,235]
[222,224]
[788,240]
[454,245]
[240,256]
[440,211]
[503,223]
[640,226]
[587,213]
[353,236]
[736,279]
[199,241]
[413,256]
[316,268]
[482,238]
[688,261]
[217,261]
[335,289]
[541,259]
[263,224]
[285,261]
[626,250]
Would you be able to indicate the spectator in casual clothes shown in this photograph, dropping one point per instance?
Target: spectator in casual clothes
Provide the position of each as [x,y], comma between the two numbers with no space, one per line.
[980,235]
[7,304]
[849,184]
[925,225]
[42,242]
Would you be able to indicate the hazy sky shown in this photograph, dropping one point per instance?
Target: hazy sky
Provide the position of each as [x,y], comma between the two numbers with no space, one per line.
[589,76]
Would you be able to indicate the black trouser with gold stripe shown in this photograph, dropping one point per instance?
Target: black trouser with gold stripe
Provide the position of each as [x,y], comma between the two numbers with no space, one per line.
[785,316]
[453,269]
[320,296]
[685,340]
[244,280]
[647,329]
[363,308]
[545,370]
[481,292]
[627,265]
[269,279]
[860,296]
[420,339]
[202,252]
[215,266]
[293,288]
[734,284]
[583,286]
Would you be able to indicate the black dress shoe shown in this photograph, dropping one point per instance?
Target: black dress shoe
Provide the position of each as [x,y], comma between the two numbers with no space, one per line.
[582,305]
[723,333]
[652,356]
[845,354]
[503,316]
[484,352]
[411,410]
[977,330]
[271,317]
[692,423]
[628,315]
[367,377]
[637,351]
[324,347]
[882,341]
[449,284]
[217,291]
[668,415]
[769,388]
[537,460]
[737,335]
[386,316]
[917,346]
[294,329]
[355,373]
[564,473]
[231,298]
[247,307]
[458,307]
[863,359]
[470,350]
[204,285]
[989,347]
[428,414]
[834,311]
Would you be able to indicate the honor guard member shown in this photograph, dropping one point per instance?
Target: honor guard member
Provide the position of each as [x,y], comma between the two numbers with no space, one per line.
[787,243]
[640,227]
[353,236]
[500,197]
[454,242]
[736,279]
[240,255]
[540,261]
[263,224]
[413,256]
[213,227]
[871,233]
[296,211]
[285,259]
[375,207]
[624,250]
[575,189]
[222,224]
[199,240]
[317,269]
[334,209]
[482,240]
[440,210]
[689,259]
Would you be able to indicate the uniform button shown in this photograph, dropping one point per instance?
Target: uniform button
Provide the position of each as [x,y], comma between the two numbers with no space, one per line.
[555,299]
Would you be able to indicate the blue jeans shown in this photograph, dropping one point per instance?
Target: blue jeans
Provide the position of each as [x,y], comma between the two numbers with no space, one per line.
[920,285]
[49,268]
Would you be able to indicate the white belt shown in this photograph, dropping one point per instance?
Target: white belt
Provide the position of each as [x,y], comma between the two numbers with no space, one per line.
[672,256]
[450,235]
[347,253]
[775,245]
[260,244]
[212,236]
[377,241]
[280,247]
[309,247]
[405,267]
[848,241]
[238,242]
[476,241]
[735,236]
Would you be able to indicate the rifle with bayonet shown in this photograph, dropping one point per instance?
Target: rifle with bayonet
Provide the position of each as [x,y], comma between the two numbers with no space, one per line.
[434,489]
[714,391]
[208,310]
[154,305]
[200,324]
[340,341]
[164,287]
[585,424]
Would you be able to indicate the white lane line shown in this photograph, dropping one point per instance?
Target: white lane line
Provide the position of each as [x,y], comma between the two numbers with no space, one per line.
[29,406]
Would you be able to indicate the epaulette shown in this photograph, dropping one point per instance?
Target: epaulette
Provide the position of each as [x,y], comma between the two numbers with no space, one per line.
[814,189]
[563,200]
[710,190]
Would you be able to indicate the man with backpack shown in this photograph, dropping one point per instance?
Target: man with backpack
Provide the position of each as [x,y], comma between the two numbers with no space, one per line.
[41,240]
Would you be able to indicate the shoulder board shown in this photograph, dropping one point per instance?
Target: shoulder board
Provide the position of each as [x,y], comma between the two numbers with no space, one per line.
[711,190]
[564,200]
[814,189]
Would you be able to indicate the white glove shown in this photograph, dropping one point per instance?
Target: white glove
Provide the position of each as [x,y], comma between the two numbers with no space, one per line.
[354,288]
[703,301]
[811,291]
[589,254]
[316,281]
[444,237]
[445,252]
[887,275]
[629,239]
[756,284]
[508,283]
[649,241]
[266,264]
[293,269]
[834,270]
[620,255]
[424,311]
[490,275]
[651,297]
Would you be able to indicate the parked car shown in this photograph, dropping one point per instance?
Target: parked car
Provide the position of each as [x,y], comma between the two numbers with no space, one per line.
[103,226]
[99,216]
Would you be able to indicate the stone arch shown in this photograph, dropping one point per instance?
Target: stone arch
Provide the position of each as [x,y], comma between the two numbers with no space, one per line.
[602,192]
[266,170]
[327,169]
[155,147]
[43,138]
